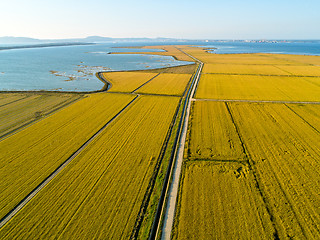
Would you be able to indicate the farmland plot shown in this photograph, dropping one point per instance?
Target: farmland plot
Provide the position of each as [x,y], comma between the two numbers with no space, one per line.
[127,81]
[299,59]
[246,59]
[220,201]
[285,151]
[29,156]
[243,69]
[308,112]
[212,134]
[247,87]
[18,109]
[167,83]
[99,194]
[302,70]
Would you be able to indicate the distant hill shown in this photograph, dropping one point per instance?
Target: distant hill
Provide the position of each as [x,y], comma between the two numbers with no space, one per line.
[90,39]
[18,40]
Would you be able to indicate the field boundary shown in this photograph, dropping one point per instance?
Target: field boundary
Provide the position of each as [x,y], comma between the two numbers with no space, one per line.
[146,198]
[265,75]
[178,144]
[254,174]
[253,101]
[14,101]
[37,189]
[302,118]
[58,107]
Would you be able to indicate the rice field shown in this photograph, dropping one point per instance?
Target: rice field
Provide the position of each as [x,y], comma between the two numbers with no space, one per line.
[286,152]
[127,81]
[244,69]
[212,135]
[282,148]
[251,170]
[99,194]
[271,88]
[302,70]
[271,191]
[308,112]
[220,201]
[297,59]
[20,109]
[30,155]
[169,50]
[167,84]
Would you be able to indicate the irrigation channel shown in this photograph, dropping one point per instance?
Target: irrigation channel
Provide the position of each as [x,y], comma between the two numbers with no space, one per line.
[167,202]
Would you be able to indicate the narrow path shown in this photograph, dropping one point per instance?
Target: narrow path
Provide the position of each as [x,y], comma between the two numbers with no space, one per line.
[34,192]
[254,101]
[172,193]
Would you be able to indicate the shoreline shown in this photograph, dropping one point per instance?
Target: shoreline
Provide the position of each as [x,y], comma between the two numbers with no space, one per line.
[107,84]
[105,88]
[44,45]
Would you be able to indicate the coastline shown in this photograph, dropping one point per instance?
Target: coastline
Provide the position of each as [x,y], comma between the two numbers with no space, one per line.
[44,45]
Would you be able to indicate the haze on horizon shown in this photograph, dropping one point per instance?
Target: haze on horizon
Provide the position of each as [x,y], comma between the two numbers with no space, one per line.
[204,19]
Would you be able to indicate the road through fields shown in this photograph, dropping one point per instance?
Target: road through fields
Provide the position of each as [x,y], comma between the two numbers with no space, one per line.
[172,193]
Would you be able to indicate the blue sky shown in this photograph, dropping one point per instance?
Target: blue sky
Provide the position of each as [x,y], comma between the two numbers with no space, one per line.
[202,19]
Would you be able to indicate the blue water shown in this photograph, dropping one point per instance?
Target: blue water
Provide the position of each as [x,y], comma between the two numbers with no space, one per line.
[70,68]
[73,68]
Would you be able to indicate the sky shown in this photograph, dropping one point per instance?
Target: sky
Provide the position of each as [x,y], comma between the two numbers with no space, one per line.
[188,19]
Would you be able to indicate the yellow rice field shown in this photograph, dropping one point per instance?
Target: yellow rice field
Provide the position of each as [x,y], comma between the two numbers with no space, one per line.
[169,50]
[247,87]
[298,59]
[302,70]
[167,84]
[19,109]
[285,151]
[30,155]
[127,81]
[98,195]
[273,192]
[212,134]
[220,201]
[243,69]
[245,59]
[308,112]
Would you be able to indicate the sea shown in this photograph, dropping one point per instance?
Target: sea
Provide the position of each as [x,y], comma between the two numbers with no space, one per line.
[73,68]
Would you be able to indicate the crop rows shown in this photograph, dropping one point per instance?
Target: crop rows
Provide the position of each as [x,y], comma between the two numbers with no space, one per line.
[247,87]
[272,192]
[127,81]
[220,201]
[167,84]
[169,50]
[297,59]
[30,155]
[7,98]
[19,109]
[302,70]
[309,113]
[243,69]
[212,134]
[286,153]
[99,194]
[282,149]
